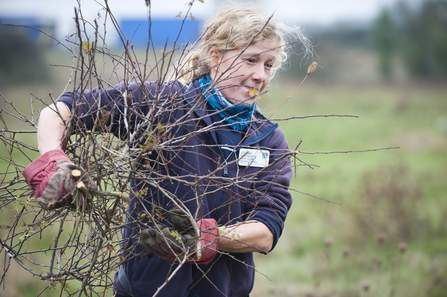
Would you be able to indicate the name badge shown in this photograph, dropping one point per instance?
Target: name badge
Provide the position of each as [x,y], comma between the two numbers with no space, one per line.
[253,157]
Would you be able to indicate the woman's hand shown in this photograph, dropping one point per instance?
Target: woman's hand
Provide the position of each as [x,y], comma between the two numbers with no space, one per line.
[50,175]
[251,236]
[171,242]
[51,178]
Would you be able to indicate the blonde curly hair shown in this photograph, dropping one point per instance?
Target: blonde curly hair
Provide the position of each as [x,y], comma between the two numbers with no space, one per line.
[235,28]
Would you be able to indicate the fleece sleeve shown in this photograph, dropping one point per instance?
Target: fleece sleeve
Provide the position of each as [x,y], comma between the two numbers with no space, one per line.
[108,110]
[272,199]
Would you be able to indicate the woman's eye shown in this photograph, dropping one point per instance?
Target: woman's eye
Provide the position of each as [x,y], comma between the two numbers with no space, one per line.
[251,61]
[269,66]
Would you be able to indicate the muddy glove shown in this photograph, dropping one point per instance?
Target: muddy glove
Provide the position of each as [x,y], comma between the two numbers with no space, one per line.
[50,178]
[182,238]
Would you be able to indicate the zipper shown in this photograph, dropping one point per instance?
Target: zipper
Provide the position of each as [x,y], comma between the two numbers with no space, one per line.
[248,142]
[221,192]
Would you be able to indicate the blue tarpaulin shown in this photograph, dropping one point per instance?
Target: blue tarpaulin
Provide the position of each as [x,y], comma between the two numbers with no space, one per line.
[162,31]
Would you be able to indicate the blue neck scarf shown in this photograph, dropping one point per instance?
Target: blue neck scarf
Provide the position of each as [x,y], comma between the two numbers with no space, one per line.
[236,116]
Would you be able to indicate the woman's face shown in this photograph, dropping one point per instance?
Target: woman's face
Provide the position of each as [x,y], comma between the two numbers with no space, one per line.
[244,74]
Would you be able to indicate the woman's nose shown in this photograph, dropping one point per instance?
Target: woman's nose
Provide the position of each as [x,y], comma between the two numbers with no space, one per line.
[259,73]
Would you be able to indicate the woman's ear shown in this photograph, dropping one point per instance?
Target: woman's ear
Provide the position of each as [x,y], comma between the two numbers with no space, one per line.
[215,57]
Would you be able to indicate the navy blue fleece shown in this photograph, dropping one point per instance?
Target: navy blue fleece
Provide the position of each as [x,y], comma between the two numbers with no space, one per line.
[232,194]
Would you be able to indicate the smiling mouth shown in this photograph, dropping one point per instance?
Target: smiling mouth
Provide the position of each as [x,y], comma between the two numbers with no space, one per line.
[251,90]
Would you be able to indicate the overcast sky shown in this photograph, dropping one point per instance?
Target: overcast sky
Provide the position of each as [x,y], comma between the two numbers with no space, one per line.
[324,12]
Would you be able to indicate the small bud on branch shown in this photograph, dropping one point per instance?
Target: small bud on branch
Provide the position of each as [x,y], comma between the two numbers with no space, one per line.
[312,67]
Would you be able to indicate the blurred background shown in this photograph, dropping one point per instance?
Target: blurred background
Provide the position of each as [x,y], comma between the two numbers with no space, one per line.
[384,61]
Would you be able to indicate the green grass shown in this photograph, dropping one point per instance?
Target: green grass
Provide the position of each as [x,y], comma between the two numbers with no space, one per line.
[400,115]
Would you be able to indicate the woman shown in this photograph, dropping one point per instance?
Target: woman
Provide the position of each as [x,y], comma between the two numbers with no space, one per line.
[223,137]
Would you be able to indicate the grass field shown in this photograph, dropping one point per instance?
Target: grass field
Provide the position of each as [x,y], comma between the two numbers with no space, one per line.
[388,235]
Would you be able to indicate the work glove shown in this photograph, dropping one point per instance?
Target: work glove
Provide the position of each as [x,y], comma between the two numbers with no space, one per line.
[50,176]
[181,238]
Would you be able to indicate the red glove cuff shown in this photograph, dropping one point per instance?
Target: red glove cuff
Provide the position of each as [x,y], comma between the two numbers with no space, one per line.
[42,162]
[209,240]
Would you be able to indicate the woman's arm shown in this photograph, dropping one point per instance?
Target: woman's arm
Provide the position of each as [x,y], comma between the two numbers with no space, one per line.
[271,200]
[51,128]
[251,236]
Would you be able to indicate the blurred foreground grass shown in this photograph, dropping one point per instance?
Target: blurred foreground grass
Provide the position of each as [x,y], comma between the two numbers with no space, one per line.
[387,238]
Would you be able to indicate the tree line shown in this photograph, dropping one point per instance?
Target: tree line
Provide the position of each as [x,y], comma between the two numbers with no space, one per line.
[415,34]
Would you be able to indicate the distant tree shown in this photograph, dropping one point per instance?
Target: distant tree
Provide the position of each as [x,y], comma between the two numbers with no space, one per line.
[21,59]
[423,38]
[384,39]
